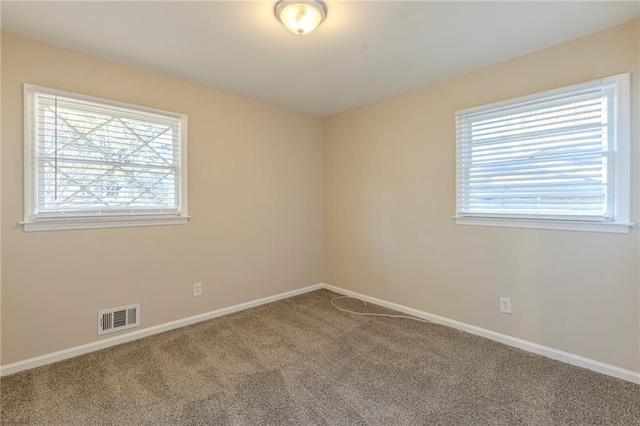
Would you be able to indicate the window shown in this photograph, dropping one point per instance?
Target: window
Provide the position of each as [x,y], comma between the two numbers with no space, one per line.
[557,160]
[95,163]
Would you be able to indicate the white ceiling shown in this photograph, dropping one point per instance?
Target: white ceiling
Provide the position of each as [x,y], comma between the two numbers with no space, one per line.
[363,52]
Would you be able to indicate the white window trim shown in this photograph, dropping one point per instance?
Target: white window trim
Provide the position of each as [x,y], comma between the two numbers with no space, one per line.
[621,223]
[560,225]
[70,222]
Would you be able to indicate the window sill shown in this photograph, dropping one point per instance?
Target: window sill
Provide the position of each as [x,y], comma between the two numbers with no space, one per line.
[560,225]
[97,223]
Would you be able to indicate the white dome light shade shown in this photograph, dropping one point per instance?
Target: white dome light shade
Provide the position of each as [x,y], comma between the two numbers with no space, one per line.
[301,16]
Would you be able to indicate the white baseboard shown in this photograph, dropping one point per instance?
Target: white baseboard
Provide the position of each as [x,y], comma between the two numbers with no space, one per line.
[138,334]
[546,351]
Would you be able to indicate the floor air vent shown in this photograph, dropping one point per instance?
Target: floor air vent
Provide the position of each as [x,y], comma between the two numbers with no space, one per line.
[116,319]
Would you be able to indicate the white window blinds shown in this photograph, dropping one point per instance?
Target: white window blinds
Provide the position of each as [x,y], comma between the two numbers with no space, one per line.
[94,158]
[549,156]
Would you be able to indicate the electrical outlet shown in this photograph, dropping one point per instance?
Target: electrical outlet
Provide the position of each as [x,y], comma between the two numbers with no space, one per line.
[197,289]
[505,305]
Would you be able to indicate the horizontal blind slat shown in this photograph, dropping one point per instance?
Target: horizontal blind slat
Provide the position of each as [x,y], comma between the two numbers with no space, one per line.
[532,116]
[534,104]
[93,157]
[543,156]
[542,123]
[542,134]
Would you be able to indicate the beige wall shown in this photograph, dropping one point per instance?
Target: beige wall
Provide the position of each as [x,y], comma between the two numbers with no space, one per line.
[389,188]
[255,197]
[0,209]
[637,124]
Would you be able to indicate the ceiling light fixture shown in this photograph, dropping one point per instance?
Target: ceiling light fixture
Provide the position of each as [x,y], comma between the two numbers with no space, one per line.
[301,16]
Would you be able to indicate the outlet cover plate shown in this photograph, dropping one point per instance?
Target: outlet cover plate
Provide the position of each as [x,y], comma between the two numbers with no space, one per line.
[505,305]
[197,289]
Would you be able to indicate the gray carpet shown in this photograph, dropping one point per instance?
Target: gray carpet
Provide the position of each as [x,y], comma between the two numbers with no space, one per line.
[301,362]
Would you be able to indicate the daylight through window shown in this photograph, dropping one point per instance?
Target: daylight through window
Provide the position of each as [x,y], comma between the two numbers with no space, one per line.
[558,159]
[92,162]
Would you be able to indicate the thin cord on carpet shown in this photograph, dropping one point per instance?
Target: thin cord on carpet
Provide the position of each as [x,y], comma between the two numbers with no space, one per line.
[371,314]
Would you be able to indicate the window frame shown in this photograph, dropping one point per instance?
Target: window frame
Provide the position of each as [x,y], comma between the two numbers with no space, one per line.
[31,220]
[620,222]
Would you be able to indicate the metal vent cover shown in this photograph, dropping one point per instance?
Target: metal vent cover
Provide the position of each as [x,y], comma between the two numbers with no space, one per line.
[116,319]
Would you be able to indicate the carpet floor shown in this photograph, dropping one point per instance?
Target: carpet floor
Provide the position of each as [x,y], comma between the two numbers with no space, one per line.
[300,361]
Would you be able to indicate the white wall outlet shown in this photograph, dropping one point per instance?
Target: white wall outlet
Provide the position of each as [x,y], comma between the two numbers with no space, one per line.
[197,289]
[505,305]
